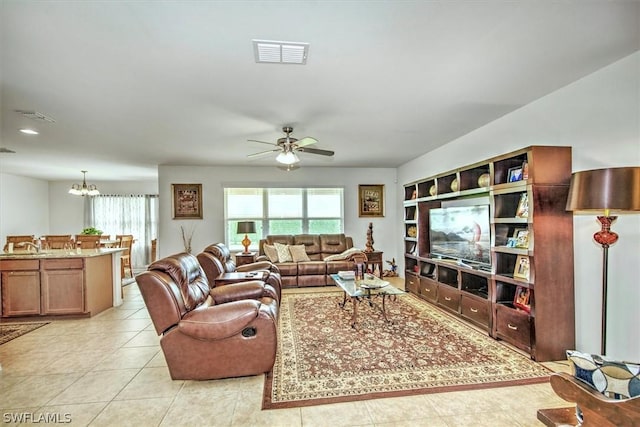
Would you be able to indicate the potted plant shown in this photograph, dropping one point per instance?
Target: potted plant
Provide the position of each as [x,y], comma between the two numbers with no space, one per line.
[91,231]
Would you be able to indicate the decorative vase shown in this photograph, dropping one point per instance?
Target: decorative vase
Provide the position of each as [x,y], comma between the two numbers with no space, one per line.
[483,180]
[454,185]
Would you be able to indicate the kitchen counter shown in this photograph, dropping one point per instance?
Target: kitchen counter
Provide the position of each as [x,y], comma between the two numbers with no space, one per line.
[59,282]
[58,253]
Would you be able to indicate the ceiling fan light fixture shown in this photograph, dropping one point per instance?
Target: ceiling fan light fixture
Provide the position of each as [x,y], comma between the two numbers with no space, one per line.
[287,158]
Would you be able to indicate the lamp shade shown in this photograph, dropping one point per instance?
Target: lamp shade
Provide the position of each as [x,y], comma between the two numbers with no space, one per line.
[615,189]
[246,227]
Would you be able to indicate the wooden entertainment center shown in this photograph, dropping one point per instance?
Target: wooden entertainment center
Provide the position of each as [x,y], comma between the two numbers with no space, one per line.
[526,295]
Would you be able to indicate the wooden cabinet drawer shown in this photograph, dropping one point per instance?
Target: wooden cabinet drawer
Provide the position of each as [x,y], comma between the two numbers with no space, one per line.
[428,289]
[513,326]
[449,297]
[475,309]
[19,264]
[412,283]
[62,264]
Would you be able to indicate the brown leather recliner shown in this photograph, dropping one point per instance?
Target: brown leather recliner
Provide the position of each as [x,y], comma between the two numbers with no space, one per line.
[222,332]
[222,253]
[213,269]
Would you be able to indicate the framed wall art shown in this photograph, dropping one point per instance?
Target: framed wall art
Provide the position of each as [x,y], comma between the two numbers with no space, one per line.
[187,201]
[371,200]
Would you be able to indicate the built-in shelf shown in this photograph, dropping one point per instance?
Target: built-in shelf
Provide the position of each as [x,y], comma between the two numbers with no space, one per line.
[526,296]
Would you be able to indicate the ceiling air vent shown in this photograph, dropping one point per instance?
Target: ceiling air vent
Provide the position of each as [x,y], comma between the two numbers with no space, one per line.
[274,52]
[35,115]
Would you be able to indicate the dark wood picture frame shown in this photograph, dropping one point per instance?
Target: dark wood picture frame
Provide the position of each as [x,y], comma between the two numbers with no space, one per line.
[522,299]
[371,200]
[187,201]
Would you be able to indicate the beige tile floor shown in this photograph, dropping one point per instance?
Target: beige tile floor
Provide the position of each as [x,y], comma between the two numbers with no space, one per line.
[109,371]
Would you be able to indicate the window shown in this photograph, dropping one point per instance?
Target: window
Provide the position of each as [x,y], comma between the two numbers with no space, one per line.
[282,211]
[136,215]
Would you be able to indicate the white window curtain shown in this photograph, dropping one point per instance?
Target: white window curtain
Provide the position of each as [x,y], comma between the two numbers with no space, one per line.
[133,214]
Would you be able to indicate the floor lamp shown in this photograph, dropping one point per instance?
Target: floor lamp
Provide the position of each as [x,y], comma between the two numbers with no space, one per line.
[604,191]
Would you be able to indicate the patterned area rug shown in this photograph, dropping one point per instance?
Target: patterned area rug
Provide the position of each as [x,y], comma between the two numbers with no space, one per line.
[321,359]
[9,331]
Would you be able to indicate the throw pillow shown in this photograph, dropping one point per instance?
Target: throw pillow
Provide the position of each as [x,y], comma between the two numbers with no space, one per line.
[271,253]
[612,378]
[298,253]
[283,252]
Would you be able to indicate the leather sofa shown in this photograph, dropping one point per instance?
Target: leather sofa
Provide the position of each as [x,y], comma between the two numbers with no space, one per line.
[318,247]
[216,260]
[209,333]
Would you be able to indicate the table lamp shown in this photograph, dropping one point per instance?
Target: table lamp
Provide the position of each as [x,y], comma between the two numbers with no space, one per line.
[246,227]
[605,190]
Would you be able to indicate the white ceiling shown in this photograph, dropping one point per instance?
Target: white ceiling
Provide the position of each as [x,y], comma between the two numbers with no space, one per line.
[134,84]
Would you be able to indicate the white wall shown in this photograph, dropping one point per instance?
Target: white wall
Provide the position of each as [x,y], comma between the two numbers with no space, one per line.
[599,116]
[24,206]
[213,179]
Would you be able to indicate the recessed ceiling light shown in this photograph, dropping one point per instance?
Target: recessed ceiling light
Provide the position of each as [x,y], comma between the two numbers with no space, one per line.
[29,131]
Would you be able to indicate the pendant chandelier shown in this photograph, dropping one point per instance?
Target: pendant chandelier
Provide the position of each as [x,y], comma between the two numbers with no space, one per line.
[84,189]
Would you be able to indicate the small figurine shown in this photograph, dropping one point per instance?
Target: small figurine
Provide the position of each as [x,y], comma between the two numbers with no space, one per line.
[393,272]
[369,244]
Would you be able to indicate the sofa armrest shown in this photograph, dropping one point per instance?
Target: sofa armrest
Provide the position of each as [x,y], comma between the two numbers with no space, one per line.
[219,321]
[597,409]
[252,289]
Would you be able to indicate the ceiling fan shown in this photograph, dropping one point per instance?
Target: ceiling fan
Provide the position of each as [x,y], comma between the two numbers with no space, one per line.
[287,148]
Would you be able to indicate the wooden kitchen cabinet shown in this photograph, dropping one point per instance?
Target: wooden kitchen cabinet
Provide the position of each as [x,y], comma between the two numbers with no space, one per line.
[62,286]
[58,283]
[20,286]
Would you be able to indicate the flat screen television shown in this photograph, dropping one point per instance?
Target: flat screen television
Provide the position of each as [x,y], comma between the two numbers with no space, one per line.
[461,233]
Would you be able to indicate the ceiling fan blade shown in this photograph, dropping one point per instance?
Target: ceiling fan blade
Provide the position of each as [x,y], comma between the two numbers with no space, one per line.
[307,140]
[289,168]
[262,153]
[316,151]
[261,142]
